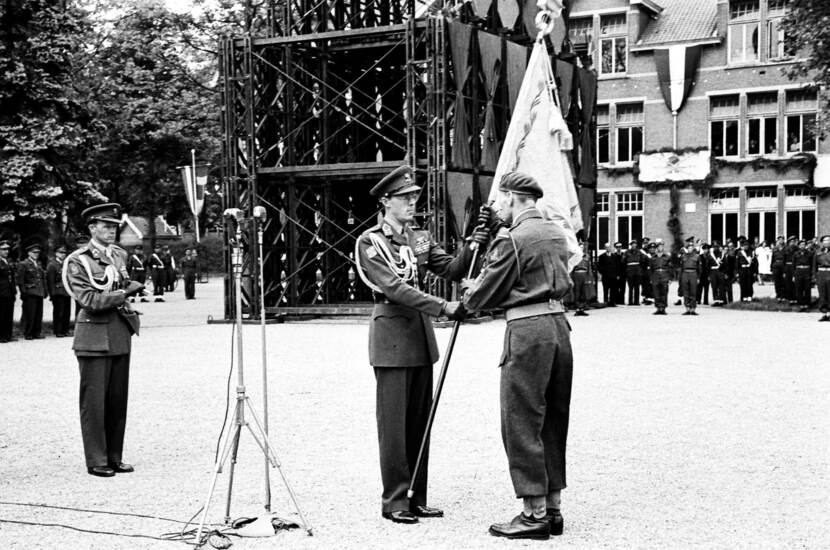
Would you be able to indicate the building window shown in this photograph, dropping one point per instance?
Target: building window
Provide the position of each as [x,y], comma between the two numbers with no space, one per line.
[601,221]
[761,213]
[629,131]
[776,41]
[603,135]
[800,120]
[724,136]
[762,124]
[629,217]
[613,31]
[800,213]
[581,29]
[744,19]
[724,208]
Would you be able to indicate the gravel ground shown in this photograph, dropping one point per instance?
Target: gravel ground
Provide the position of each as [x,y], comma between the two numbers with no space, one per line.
[706,432]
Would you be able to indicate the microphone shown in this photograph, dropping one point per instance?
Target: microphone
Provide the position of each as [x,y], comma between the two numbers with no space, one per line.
[235,213]
[260,213]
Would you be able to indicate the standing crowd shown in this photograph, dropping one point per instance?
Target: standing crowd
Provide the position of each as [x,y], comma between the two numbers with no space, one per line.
[642,273]
[34,278]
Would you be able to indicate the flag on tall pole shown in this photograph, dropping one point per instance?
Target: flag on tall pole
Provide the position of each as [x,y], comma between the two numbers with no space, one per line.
[195,179]
[536,144]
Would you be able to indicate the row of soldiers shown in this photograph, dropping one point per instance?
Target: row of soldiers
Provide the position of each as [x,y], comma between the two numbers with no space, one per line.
[34,283]
[698,267]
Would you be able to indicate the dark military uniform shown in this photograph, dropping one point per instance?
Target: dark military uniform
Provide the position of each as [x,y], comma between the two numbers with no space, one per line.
[61,303]
[717,278]
[610,269]
[645,269]
[169,270]
[527,275]
[746,274]
[777,262]
[632,260]
[189,268]
[31,278]
[690,268]
[96,277]
[660,265]
[821,271]
[7,296]
[402,347]
[702,295]
[159,275]
[728,266]
[135,267]
[803,263]
[581,276]
[789,270]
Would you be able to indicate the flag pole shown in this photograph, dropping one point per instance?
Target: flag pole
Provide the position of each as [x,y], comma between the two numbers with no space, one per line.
[193,181]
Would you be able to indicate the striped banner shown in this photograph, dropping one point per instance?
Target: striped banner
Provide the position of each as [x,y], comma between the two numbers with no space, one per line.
[194,186]
[676,69]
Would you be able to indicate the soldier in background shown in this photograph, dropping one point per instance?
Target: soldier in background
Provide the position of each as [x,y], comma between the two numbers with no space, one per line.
[660,267]
[777,261]
[159,275]
[789,269]
[137,269]
[728,266]
[7,294]
[190,269]
[31,279]
[714,260]
[169,268]
[61,303]
[632,260]
[582,278]
[746,271]
[690,268]
[609,266]
[703,282]
[647,251]
[803,263]
[821,272]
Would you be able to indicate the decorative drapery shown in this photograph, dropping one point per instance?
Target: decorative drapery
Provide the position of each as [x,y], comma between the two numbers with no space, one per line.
[676,69]
[460,36]
[491,65]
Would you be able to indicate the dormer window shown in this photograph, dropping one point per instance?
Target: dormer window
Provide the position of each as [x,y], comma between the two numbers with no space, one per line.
[744,21]
[613,31]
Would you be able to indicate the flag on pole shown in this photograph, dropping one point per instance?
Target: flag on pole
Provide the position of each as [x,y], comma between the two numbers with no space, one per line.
[676,69]
[536,144]
[194,185]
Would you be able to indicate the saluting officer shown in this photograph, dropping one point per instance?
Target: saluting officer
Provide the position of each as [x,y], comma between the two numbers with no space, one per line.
[7,294]
[527,275]
[690,268]
[821,272]
[661,266]
[31,278]
[393,258]
[61,303]
[633,260]
[96,277]
[714,259]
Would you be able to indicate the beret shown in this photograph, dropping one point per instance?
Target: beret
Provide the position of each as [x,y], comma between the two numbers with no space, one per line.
[517,182]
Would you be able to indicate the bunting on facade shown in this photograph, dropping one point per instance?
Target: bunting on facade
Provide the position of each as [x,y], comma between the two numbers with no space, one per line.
[676,69]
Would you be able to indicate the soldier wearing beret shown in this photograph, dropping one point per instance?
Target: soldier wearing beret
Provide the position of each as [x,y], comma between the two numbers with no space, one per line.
[393,259]
[7,294]
[690,268]
[582,277]
[821,272]
[96,277]
[661,266]
[61,303]
[526,274]
[633,262]
[31,278]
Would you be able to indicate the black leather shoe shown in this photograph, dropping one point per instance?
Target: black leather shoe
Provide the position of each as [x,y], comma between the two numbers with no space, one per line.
[401,516]
[522,527]
[557,524]
[100,471]
[122,468]
[426,511]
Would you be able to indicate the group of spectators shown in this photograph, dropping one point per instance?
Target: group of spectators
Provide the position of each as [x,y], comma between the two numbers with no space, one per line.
[793,265]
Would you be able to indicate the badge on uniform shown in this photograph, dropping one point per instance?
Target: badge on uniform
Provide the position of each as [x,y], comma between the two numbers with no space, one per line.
[421,245]
[73,269]
[371,252]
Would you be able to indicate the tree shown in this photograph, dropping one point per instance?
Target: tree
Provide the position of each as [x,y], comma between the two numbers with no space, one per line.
[807,30]
[44,129]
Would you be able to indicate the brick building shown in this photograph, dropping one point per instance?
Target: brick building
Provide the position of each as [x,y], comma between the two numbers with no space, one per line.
[741,112]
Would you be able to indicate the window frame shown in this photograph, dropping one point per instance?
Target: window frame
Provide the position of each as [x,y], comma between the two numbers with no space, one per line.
[604,126]
[629,127]
[725,118]
[613,37]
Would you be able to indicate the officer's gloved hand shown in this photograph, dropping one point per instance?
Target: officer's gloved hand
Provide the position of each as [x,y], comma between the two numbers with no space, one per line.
[133,288]
[481,236]
[488,218]
[455,311]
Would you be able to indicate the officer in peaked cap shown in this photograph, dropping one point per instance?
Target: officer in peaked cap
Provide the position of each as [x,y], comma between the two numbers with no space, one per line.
[61,302]
[31,278]
[393,258]
[96,277]
[7,294]
[789,269]
[690,269]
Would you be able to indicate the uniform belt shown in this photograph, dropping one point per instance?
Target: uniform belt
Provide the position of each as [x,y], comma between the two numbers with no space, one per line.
[788,263]
[138,269]
[531,310]
[691,270]
[633,263]
[580,271]
[824,269]
[382,300]
[802,267]
[660,269]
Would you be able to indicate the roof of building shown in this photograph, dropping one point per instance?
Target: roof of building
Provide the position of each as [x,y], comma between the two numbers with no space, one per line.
[682,21]
[140,227]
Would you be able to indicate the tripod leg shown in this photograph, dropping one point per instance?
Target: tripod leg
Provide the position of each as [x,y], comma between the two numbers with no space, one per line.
[230,473]
[217,467]
[271,451]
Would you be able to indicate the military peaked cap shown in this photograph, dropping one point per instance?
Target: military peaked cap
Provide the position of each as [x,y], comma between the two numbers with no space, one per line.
[107,212]
[4,244]
[517,182]
[33,244]
[399,181]
[61,248]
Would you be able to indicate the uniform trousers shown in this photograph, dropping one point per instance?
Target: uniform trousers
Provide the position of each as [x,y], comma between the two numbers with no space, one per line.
[404,397]
[609,292]
[159,281]
[139,276]
[803,283]
[718,281]
[703,289]
[103,405]
[648,286]
[823,284]
[170,279]
[789,282]
[745,280]
[728,285]
[634,278]
[661,289]
[778,280]
[61,308]
[620,290]
[190,286]
[6,317]
[535,397]
[580,279]
[688,288]
[32,318]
